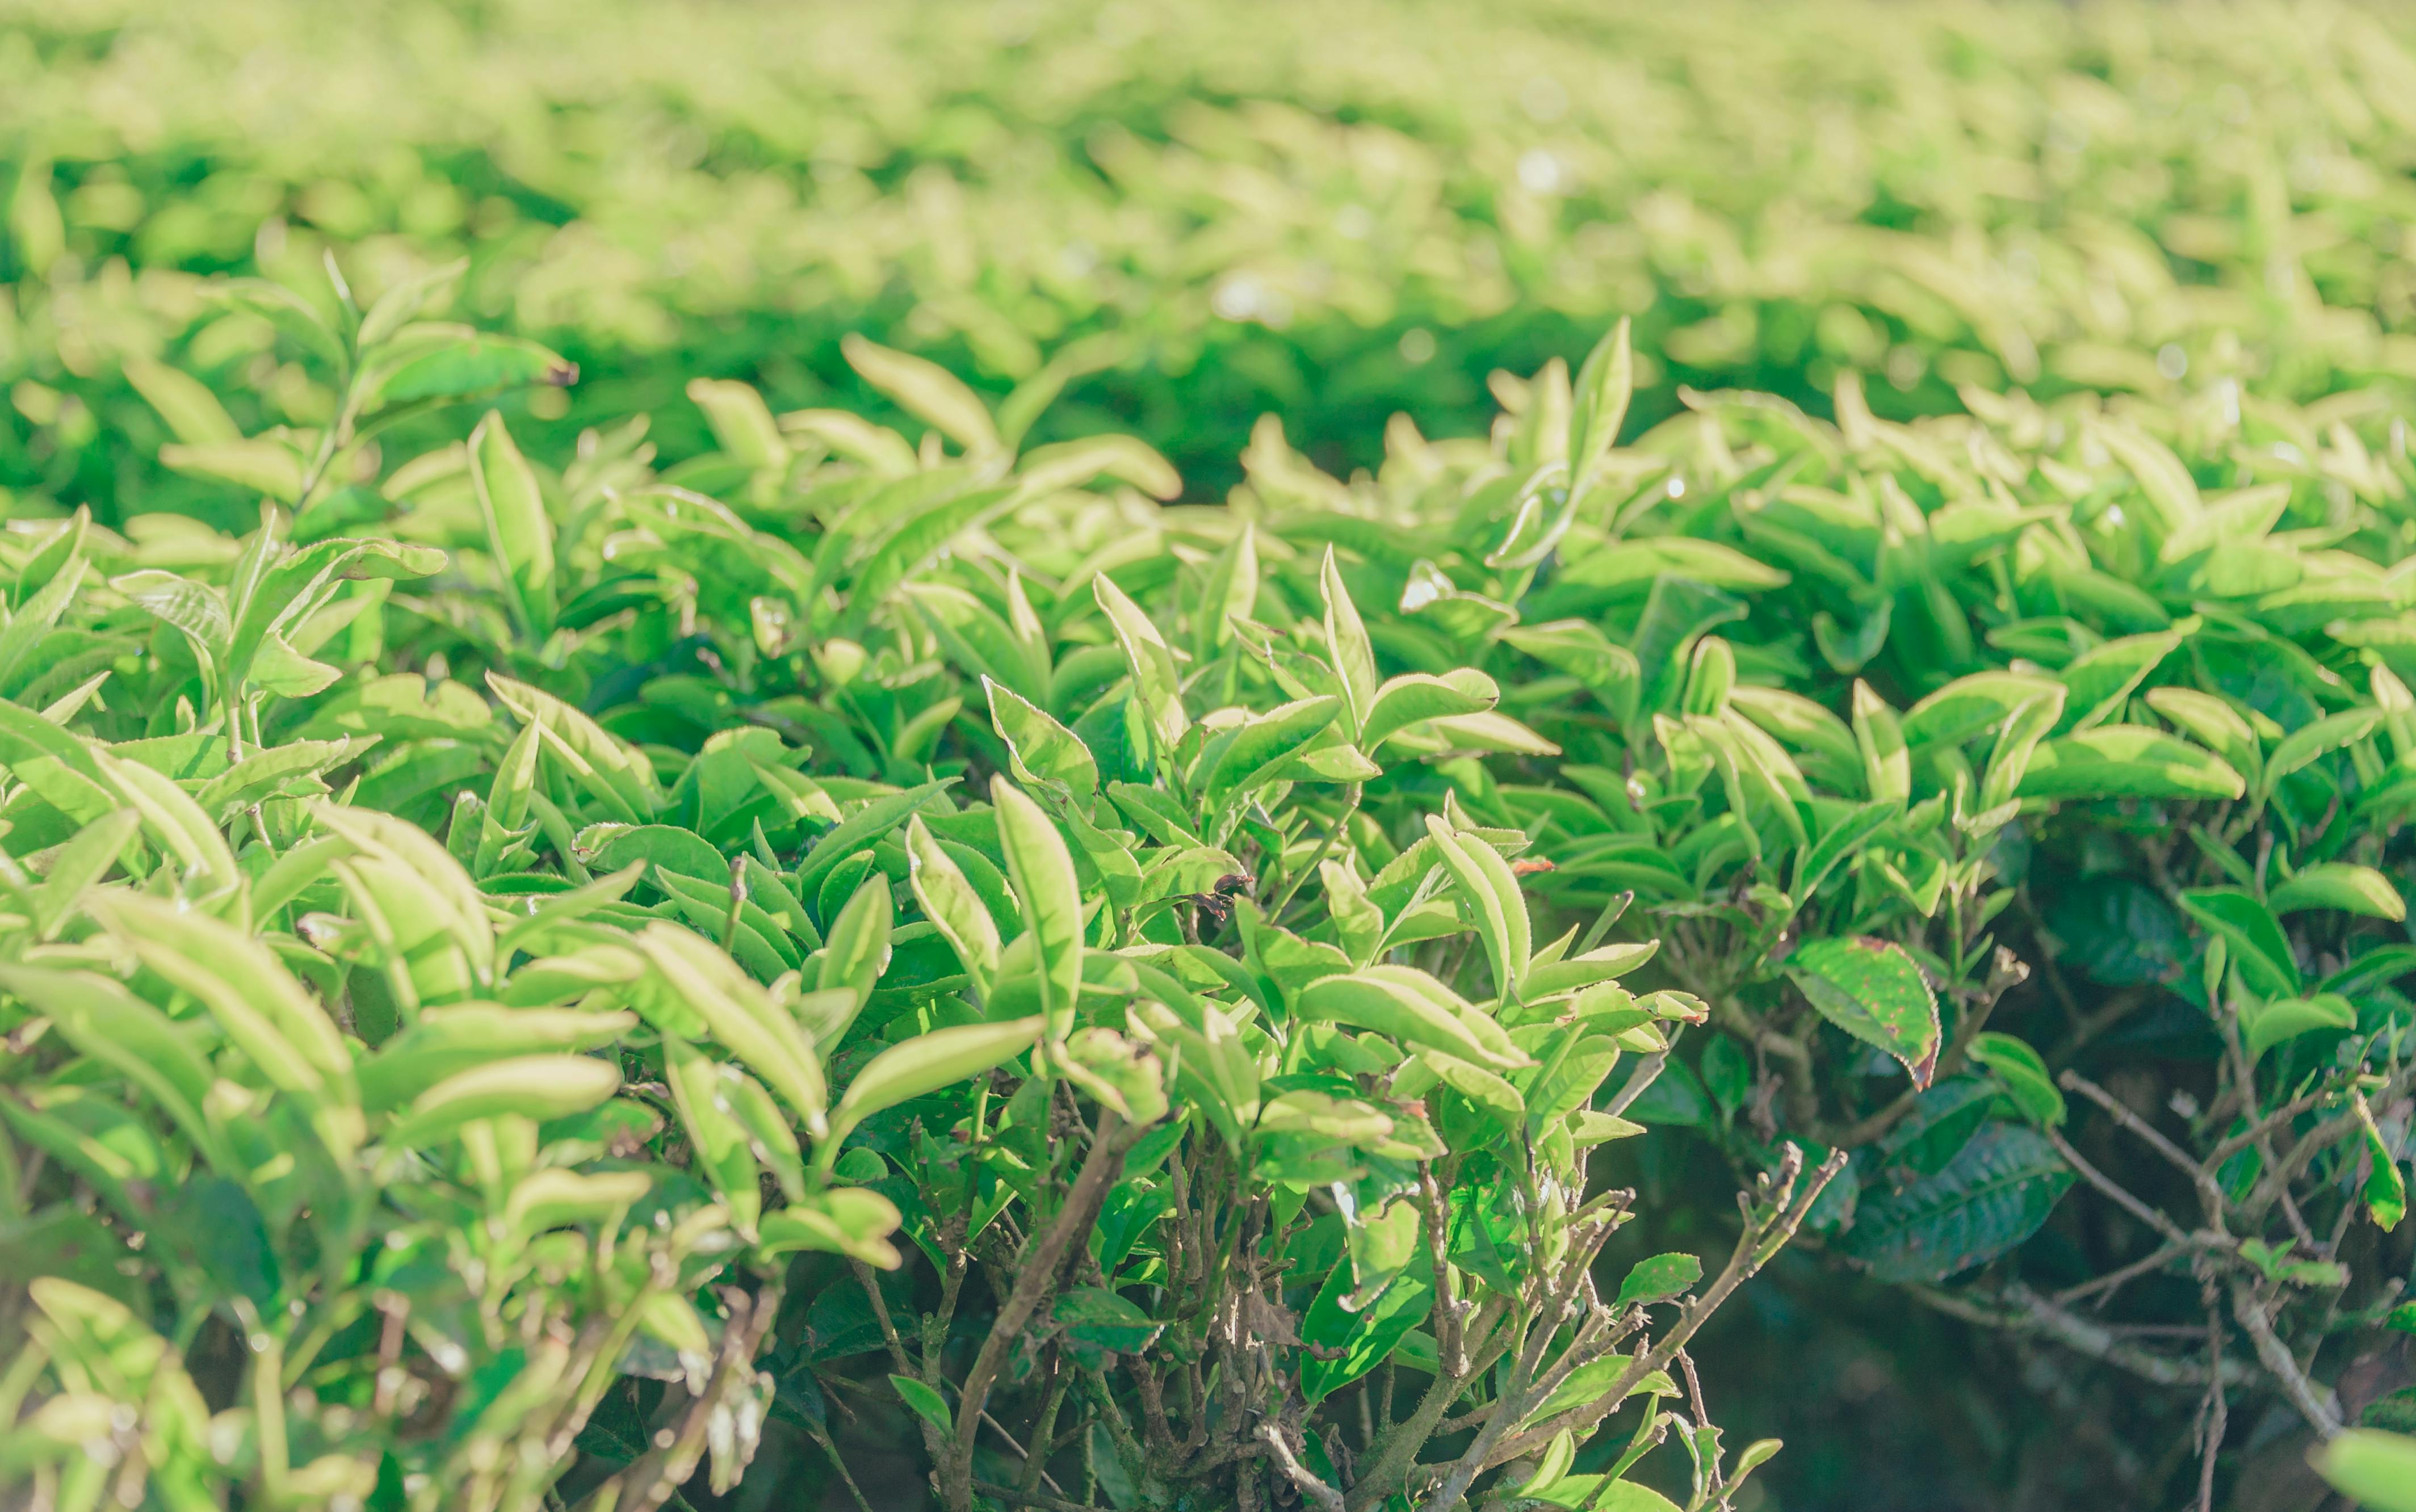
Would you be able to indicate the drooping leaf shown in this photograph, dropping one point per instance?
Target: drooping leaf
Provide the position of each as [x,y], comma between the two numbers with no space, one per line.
[926,1063]
[2260,950]
[2338,885]
[2024,1074]
[2121,761]
[2386,1190]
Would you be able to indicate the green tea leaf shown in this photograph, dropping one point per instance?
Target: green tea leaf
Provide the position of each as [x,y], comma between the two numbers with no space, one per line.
[926,391]
[1492,895]
[1039,749]
[1042,871]
[848,1221]
[1994,1194]
[2260,952]
[192,410]
[927,1404]
[1415,698]
[718,1141]
[2374,1469]
[704,986]
[2304,746]
[2121,761]
[1887,766]
[283,1031]
[1413,1008]
[925,1064]
[519,535]
[2270,1023]
[1153,674]
[1101,1318]
[431,362]
[858,950]
[1599,405]
[741,422]
[2386,1190]
[1359,1340]
[1345,642]
[2024,1074]
[525,1086]
[949,900]
[2338,885]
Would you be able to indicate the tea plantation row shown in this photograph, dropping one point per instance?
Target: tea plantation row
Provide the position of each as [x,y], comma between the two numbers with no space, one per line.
[720,940]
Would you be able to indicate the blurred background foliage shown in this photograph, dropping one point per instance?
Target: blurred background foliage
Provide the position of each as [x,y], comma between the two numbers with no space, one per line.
[1194,214]
[1332,212]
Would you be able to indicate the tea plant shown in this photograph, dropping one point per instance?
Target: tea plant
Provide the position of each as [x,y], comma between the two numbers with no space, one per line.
[361,1161]
[1213,1074]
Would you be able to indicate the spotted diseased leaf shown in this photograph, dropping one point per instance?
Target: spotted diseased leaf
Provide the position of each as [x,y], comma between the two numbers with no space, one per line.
[1659,1280]
[1873,992]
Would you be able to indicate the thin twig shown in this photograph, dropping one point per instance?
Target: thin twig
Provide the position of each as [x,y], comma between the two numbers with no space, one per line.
[1020,1497]
[1792,1200]
[1350,807]
[2155,1259]
[2218,1408]
[2210,1194]
[2314,1403]
[830,1451]
[654,1478]
[881,1315]
[2172,1231]
[1647,1072]
[1020,1453]
[2030,1313]
[1299,1474]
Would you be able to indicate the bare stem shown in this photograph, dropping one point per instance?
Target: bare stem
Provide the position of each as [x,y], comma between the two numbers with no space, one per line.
[1037,1278]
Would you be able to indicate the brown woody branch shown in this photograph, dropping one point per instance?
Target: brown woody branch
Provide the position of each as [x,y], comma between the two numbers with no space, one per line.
[1038,1267]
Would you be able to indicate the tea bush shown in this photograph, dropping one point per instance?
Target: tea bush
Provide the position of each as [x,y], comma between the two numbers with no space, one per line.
[310,959]
[389,913]
[869,945]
